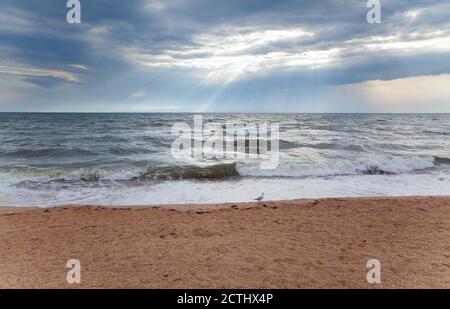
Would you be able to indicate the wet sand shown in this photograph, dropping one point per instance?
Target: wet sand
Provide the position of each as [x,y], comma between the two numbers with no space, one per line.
[323,243]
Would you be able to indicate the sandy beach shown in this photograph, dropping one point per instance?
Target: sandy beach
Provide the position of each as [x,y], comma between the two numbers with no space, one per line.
[322,243]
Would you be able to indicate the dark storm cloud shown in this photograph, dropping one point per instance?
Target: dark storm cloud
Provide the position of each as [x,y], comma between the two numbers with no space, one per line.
[45,82]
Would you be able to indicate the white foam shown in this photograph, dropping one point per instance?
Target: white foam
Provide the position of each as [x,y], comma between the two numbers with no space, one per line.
[389,164]
[244,190]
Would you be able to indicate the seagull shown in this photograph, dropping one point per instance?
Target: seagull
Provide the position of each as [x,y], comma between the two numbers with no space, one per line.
[260,198]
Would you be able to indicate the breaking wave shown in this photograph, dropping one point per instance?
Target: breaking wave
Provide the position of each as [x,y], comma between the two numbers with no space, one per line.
[364,166]
[218,171]
[381,165]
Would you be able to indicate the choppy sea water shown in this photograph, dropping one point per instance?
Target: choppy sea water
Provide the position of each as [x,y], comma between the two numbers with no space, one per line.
[125,159]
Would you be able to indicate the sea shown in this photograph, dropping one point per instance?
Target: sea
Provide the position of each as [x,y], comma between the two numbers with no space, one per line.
[49,159]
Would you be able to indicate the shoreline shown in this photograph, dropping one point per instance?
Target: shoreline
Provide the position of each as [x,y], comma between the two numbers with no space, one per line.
[21,208]
[306,243]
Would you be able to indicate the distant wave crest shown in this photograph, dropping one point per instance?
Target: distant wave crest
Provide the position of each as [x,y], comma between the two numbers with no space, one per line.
[363,166]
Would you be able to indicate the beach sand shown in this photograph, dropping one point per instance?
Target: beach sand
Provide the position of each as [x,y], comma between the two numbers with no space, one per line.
[322,243]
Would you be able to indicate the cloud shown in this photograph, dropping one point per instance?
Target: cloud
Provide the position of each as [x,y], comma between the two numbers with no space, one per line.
[412,43]
[205,53]
[141,93]
[419,93]
[78,66]
[10,96]
[156,5]
[31,71]
[44,81]
[15,20]
[231,52]
[228,54]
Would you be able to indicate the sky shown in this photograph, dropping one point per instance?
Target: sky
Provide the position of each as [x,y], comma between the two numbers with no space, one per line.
[225,56]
